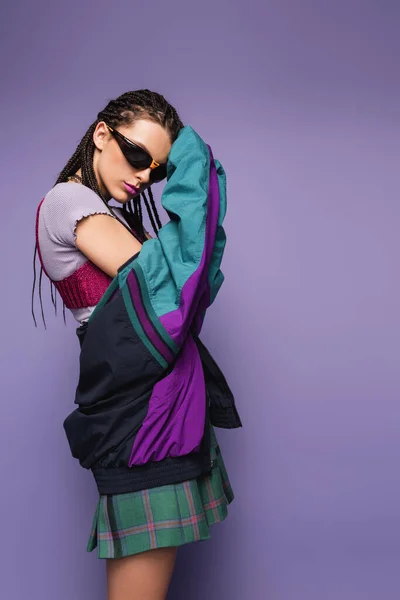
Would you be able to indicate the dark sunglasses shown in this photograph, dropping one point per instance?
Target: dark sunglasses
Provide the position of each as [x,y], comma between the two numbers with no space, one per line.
[138,157]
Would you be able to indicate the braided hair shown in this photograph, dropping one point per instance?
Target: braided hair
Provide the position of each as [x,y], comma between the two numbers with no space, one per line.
[126,109]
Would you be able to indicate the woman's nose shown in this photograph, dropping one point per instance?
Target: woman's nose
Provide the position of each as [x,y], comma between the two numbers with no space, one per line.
[144,175]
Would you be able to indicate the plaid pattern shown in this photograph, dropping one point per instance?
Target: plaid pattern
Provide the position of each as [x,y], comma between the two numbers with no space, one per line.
[169,515]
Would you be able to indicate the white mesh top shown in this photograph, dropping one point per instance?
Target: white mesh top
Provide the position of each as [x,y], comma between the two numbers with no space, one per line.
[63,207]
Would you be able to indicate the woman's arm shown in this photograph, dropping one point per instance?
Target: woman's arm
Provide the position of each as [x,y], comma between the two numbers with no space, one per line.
[106,242]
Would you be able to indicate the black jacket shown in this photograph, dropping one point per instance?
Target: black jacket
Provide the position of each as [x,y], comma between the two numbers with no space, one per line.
[113,396]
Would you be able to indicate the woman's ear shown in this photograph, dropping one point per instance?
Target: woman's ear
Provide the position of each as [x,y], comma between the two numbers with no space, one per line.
[100,135]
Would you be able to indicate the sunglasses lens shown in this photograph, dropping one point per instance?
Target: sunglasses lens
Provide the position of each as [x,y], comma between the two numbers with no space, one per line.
[139,159]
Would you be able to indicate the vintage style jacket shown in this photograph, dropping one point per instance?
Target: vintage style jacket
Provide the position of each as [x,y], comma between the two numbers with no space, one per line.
[148,387]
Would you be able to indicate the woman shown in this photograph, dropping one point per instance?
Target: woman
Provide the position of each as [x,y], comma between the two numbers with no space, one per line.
[140,519]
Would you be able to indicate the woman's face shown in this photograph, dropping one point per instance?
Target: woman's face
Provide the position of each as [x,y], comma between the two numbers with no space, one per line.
[110,165]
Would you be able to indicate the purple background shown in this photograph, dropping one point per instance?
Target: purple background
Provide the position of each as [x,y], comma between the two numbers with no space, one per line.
[300,102]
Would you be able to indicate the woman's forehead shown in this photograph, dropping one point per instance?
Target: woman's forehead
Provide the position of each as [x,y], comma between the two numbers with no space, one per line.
[151,136]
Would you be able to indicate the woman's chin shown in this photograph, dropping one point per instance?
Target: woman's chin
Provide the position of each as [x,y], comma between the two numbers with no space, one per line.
[122,196]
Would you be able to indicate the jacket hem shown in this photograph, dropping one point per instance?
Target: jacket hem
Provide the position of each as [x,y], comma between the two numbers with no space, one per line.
[120,480]
[225,418]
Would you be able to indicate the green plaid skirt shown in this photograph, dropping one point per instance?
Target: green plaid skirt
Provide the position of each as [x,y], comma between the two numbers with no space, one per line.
[169,515]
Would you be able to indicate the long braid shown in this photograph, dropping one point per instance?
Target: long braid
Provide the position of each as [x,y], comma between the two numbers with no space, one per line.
[139,212]
[149,212]
[124,110]
[153,205]
[34,284]
[40,296]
